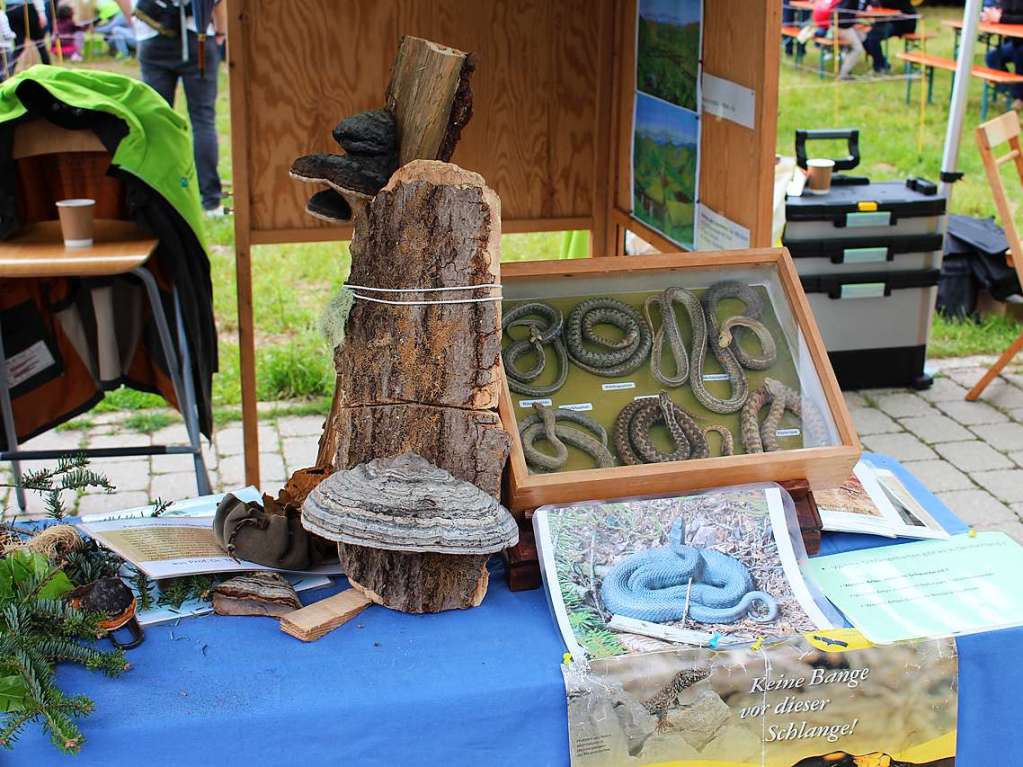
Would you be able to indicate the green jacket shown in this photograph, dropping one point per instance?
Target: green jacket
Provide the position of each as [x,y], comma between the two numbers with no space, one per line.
[158,145]
[151,149]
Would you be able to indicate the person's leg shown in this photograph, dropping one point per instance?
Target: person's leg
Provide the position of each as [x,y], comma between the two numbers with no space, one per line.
[201,94]
[158,66]
[998,56]
[38,35]
[788,18]
[851,38]
[16,20]
[116,36]
[872,45]
[1016,56]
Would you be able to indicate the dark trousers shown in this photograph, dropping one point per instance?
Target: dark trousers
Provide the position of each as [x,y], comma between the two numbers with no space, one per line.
[162,67]
[34,32]
[872,44]
[1011,51]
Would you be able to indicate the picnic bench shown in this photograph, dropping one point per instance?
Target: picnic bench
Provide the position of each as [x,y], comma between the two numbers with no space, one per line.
[928,62]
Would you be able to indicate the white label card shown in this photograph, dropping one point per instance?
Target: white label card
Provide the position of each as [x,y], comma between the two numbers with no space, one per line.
[786,433]
[715,376]
[28,362]
[531,402]
[578,407]
[716,232]
[618,386]
[727,99]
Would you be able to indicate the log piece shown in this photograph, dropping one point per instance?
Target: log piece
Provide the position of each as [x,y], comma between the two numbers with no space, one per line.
[313,621]
[471,445]
[430,97]
[416,582]
[260,593]
[433,226]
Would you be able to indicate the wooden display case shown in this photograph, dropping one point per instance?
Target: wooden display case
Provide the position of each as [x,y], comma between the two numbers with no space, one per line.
[820,466]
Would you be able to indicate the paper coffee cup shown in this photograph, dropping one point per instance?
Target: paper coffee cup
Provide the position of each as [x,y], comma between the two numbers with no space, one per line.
[76,222]
[818,175]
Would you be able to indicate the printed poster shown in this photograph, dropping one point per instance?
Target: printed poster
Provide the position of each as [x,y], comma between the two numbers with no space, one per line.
[666,128]
[828,699]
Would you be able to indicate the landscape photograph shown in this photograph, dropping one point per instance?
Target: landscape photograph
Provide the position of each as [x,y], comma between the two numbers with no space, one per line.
[665,151]
[668,53]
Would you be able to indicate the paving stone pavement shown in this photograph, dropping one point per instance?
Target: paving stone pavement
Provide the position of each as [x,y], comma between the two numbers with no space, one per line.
[970,454]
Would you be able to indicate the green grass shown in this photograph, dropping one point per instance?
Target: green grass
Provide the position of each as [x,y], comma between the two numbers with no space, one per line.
[895,143]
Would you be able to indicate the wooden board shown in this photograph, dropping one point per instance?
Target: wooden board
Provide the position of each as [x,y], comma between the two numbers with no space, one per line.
[38,251]
[313,621]
[819,466]
[542,69]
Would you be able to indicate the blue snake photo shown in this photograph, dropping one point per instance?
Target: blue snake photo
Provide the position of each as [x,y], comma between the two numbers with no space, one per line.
[680,581]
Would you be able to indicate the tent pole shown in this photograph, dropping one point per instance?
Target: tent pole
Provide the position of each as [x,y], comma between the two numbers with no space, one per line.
[964,64]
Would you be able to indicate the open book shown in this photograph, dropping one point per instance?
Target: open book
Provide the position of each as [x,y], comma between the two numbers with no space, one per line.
[714,569]
[874,501]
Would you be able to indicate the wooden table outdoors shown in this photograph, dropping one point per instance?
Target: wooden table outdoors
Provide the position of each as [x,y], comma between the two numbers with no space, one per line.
[38,251]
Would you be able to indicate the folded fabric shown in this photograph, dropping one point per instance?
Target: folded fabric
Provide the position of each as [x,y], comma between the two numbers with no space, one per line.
[273,538]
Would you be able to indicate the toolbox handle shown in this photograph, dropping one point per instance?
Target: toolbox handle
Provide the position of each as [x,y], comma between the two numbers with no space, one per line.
[853,290]
[851,135]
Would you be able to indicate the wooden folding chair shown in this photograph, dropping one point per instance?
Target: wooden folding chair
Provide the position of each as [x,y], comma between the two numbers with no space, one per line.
[990,137]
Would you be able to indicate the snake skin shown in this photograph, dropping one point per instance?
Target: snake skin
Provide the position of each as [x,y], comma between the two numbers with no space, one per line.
[757,438]
[759,329]
[544,425]
[544,324]
[632,432]
[622,356]
[657,585]
[749,319]
[727,442]
[669,331]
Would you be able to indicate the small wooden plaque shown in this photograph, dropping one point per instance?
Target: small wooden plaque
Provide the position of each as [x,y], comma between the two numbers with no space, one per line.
[319,618]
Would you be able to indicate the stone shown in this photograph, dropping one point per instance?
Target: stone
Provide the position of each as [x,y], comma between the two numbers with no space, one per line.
[1013,529]
[903,405]
[1001,436]
[733,744]
[372,132]
[97,504]
[1016,415]
[300,426]
[869,420]
[1003,395]
[364,174]
[232,469]
[698,717]
[231,440]
[966,376]
[936,428]
[299,452]
[1006,485]
[125,476]
[854,399]
[938,476]
[173,487]
[121,439]
[971,413]
[1017,457]
[901,445]
[972,456]
[977,507]
[944,390]
[260,593]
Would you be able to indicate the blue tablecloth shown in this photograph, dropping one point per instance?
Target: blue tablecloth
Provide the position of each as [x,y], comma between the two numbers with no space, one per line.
[479,687]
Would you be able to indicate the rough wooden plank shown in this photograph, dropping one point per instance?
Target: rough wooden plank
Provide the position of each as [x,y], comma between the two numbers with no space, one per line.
[471,445]
[434,225]
[313,621]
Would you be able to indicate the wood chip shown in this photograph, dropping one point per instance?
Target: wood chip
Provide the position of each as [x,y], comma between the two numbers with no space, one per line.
[313,621]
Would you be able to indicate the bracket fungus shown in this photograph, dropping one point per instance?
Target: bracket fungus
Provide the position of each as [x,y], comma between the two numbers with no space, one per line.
[410,535]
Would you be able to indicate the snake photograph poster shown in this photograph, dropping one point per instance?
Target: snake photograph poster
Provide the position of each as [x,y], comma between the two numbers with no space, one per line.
[715,568]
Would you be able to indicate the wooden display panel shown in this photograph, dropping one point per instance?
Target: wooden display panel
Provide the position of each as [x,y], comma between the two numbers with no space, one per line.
[552,125]
[820,467]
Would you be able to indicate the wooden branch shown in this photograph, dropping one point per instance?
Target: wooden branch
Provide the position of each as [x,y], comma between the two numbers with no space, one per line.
[430,97]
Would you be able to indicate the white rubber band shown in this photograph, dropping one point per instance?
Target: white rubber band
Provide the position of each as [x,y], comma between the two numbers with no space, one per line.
[491,285]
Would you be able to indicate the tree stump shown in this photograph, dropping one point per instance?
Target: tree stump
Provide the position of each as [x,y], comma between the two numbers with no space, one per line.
[433,226]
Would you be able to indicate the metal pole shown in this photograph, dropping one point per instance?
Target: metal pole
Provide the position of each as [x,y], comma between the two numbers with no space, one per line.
[964,64]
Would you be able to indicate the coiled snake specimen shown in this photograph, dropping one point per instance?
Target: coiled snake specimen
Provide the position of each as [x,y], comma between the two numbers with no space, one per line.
[758,438]
[544,324]
[656,585]
[619,357]
[543,424]
[723,336]
[693,368]
[632,432]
